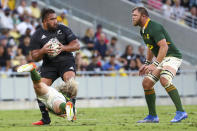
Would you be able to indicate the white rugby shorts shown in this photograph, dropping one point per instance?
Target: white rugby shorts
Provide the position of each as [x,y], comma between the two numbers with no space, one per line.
[52,96]
[172,62]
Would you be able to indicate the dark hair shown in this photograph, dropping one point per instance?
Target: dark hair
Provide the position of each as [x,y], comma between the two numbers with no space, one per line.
[99,26]
[114,38]
[46,12]
[142,10]
[193,6]
[127,47]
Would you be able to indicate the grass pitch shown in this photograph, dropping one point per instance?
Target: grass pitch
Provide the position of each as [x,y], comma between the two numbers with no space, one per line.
[99,119]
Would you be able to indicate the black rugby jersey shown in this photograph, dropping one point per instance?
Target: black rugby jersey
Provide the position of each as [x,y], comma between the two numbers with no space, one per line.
[62,33]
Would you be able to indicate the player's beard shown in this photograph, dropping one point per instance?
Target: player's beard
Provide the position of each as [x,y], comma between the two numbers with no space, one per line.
[51,28]
[137,23]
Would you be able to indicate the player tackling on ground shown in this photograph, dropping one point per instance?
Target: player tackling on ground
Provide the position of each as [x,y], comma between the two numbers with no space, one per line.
[54,101]
[163,69]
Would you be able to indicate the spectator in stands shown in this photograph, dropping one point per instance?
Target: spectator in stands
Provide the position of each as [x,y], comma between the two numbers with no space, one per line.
[140,58]
[25,46]
[15,18]
[4,59]
[128,56]
[35,10]
[95,64]
[100,46]
[7,39]
[18,58]
[111,65]
[6,20]
[88,39]
[132,66]
[191,19]
[11,4]
[178,11]
[62,18]
[167,9]
[192,3]
[185,4]
[22,8]
[112,49]
[4,41]
[22,27]
[19,55]
[98,32]
[80,63]
[27,33]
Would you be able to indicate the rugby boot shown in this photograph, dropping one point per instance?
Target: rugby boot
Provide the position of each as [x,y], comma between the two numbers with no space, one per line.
[150,119]
[41,122]
[69,111]
[179,116]
[26,68]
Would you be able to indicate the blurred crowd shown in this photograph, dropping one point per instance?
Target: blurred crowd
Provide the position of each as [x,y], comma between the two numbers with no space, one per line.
[182,11]
[17,24]
[105,56]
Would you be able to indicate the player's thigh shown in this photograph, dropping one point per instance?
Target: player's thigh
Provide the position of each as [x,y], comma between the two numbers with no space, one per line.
[67,75]
[150,79]
[49,73]
[47,81]
[67,69]
[41,89]
[170,66]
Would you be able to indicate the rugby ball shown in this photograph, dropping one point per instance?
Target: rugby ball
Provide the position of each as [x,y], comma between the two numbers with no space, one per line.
[54,44]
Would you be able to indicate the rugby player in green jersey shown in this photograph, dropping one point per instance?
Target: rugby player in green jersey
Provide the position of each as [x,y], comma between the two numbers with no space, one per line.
[163,68]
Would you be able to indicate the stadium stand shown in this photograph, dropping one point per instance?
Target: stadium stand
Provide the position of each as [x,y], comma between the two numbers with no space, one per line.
[123,56]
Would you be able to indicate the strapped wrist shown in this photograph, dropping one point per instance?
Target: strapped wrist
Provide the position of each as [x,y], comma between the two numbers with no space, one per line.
[156,63]
[147,62]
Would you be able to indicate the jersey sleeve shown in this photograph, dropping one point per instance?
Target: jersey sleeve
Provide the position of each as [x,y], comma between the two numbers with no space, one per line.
[157,33]
[34,43]
[70,36]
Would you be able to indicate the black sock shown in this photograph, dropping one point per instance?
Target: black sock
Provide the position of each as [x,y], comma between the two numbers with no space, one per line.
[44,112]
[73,100]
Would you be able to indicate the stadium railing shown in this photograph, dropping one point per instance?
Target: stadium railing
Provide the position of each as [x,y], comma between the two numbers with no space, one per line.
[98,85]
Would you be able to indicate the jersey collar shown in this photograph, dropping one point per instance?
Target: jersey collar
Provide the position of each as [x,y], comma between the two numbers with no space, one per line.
[146,24]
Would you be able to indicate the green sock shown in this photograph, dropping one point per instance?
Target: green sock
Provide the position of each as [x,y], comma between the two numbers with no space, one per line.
[35,76]
[174,95]
[150,100]
[62,107]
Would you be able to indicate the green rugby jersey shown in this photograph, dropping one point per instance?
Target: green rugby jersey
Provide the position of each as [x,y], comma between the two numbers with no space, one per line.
[152,33]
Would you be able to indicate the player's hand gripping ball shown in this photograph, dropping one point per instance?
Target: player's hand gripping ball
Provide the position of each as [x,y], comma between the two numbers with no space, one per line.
[54,44]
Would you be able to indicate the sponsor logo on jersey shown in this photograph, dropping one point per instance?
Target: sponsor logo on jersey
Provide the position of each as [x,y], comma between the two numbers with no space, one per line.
[71,68]
[146,36]
[150,46]
[59,32]
[43,36]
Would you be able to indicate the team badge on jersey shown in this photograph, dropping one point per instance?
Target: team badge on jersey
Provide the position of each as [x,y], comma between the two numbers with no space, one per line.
[59,32]
[43,36]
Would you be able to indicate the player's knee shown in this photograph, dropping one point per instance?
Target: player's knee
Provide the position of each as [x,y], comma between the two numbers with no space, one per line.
[166,78]
[147,84]
[149,81]
[68,75]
